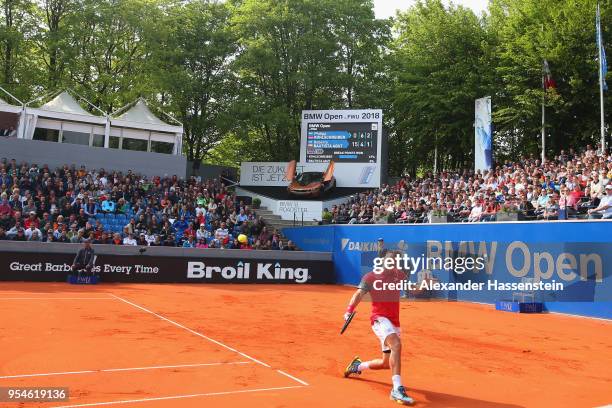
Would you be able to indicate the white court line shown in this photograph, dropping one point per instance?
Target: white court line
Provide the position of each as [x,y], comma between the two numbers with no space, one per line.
[56,298]
[206,394]
[192,331]
[111,370]
[292,377]
[202,336]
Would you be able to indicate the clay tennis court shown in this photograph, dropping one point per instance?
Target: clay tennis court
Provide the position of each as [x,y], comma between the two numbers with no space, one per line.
[279,346]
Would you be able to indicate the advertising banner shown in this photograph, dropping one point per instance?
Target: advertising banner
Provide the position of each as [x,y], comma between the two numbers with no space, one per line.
[485,262]
[52,267]
[357,175]
[294,209]
[483,137]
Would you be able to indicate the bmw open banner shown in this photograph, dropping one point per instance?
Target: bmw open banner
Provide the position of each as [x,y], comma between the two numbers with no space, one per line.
[483,141]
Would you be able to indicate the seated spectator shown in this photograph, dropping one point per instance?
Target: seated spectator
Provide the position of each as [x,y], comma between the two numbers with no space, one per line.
[551,212]
[129,240]
[78,238]
[189,242]
[201,243]
[290,246]
[169,241]
[117,239]
[33,233]
[222,234]
[156,242]
[202,233]
[264,236]
[490,209]
[475,213]
[142,241]
[49,237]
[91,208]
[574,198]
[604,209]
[20,235]
[32,220]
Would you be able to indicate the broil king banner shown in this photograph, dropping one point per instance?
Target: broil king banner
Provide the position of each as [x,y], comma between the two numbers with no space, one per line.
[24,266]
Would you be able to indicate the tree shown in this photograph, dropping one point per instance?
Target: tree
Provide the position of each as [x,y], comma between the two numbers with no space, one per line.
[16,24]
[197,84]
[563,33]
[439,67]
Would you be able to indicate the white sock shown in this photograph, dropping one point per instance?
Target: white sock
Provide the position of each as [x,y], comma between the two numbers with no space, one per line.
[397,381]
[363,366]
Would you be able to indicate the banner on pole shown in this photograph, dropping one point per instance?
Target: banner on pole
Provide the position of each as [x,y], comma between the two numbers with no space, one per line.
[483,137]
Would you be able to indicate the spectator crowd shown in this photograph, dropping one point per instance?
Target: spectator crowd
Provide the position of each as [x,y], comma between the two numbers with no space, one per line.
[572,185]
[71,205]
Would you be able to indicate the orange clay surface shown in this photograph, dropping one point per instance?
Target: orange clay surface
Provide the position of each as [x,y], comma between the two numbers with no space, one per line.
[455,354]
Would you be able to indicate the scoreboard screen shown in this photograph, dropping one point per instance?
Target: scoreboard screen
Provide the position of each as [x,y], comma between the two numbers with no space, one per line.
[354,142]
[351,138]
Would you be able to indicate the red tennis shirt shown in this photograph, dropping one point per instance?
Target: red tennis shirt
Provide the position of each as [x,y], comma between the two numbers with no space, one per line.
[385,302]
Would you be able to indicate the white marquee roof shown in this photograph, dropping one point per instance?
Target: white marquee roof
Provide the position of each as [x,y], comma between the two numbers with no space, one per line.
[141,113]
[140,116]
[9,107]
[65,103]
[65,107]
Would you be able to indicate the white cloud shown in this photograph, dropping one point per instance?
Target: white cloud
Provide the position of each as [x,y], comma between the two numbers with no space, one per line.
[387,8]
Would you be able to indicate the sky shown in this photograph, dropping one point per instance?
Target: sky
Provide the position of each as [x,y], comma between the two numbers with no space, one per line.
[386,8]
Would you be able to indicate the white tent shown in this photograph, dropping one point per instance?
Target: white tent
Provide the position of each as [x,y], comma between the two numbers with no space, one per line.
[133,126]
[62,119]
[140,113]
[8,106]
[65,103]
[12,111]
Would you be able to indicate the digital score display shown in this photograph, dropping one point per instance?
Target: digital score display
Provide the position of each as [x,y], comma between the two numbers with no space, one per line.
[354,142]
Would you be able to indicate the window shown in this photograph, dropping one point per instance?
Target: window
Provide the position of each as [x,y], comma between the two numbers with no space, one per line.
[49,135]
[71,137]
[162,147]
[98,141]
[135,144]
[113,142]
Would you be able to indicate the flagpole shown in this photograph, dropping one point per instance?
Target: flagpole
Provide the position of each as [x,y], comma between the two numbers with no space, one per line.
[543,122]
[544,73]
[435,169]
[601,87]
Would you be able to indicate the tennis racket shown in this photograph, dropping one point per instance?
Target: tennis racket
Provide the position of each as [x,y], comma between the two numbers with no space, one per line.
[347,322]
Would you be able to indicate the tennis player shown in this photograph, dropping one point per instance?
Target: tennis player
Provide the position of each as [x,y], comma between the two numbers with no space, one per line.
[385,324]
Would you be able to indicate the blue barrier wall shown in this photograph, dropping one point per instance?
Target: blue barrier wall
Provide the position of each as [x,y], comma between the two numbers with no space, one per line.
[575,253]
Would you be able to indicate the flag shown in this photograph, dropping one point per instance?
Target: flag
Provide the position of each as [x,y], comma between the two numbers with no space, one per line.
[549,82]
[603,63]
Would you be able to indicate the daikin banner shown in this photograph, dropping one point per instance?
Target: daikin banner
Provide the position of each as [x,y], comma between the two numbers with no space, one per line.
[483,138]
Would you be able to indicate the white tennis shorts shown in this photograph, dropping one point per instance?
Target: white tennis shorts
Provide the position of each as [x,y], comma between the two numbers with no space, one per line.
[382,328]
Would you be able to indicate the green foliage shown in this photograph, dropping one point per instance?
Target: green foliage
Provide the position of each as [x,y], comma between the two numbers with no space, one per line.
[238,73]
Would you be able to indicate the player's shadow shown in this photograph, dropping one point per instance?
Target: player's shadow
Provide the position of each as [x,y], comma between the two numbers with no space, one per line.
[441,400]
